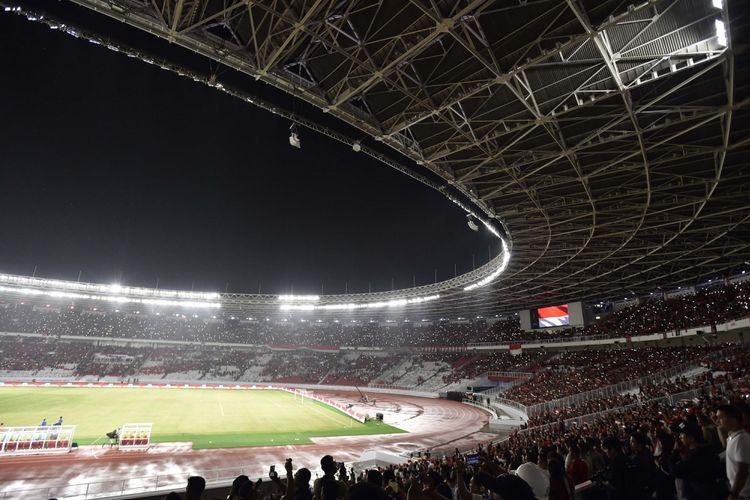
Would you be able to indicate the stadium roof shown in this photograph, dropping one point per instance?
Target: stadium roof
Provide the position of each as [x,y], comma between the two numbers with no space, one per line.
[608,140]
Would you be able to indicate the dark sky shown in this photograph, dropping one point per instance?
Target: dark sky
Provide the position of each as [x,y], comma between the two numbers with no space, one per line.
[127,172]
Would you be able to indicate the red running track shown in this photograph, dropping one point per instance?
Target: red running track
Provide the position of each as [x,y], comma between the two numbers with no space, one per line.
[433,424]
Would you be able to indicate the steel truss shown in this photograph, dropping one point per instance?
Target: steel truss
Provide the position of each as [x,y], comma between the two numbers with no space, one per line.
[610,140]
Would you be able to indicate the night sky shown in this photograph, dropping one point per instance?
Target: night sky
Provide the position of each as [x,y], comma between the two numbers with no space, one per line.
[130,174]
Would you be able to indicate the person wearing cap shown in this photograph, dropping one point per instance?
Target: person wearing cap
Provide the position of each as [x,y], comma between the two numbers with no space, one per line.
[696,465]
[329,474]
[729,419]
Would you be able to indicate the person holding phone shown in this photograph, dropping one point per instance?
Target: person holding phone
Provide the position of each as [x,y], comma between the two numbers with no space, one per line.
[330,467]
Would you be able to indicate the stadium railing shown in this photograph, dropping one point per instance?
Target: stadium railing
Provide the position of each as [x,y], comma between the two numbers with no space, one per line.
[389,386]
[550,340]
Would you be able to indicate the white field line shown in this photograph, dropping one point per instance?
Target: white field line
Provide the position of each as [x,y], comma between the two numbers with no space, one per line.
[326,414]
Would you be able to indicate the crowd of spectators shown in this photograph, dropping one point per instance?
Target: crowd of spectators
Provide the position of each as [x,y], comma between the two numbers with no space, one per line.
[548,374]
[641,444]
[727,366]
[528,361]
[707,307]
[656,442]
[576,372]
[695,449]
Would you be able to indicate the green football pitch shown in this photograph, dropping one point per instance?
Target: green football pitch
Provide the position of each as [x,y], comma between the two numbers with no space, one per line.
[209,418]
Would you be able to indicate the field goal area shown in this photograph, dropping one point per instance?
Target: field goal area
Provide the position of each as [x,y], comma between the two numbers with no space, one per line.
[300,395]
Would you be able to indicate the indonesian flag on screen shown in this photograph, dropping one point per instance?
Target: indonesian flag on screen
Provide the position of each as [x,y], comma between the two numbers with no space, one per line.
[553,316]
[515,349]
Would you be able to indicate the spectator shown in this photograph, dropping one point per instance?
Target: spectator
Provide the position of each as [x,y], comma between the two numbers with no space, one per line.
[697,465]
[508,486]
[642,468]
[367,490]
[738,451]
[195,487]
[302,484]
[560,485]
[617,476]
[392,488]
[329,468]
[375,477]
[234,491]
[535,476]
[577,469]
[329,488]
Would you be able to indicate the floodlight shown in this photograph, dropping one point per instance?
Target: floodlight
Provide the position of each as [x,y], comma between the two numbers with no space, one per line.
[719,4]
[721,33]
[357,147]
[470,222]
[294,136]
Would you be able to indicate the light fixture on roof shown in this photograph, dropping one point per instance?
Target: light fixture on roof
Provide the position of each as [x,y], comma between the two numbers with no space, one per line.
[294,140]
[721,33]
[719,4]
[356,147]
[299,298]
[351,306]
[471,223]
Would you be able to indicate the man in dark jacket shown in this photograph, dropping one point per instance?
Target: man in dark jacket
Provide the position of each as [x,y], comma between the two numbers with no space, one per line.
[642,467]
[616,473]
[697,465]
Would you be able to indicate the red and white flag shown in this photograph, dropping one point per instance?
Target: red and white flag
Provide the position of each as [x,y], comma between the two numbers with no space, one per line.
[553,316]
[515,349]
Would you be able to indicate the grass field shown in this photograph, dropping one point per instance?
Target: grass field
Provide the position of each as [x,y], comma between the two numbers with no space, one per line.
[212,418]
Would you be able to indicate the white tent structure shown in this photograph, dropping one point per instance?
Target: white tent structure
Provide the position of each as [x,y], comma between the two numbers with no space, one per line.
[376,458]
